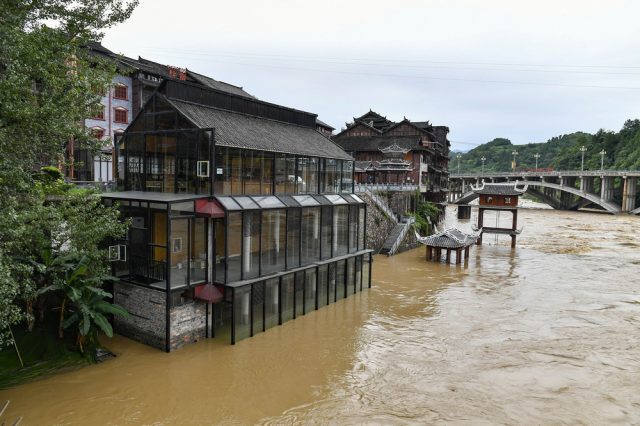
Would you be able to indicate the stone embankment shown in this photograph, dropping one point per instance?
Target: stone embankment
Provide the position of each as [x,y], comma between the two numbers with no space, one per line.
[380,226]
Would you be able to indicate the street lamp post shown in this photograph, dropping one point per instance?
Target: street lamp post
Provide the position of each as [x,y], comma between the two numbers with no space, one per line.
[483,159]
[459,156]
[602,154]
[514,153]
[583,149]
[536,156]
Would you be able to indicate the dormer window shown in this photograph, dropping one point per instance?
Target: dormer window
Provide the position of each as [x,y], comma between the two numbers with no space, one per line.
[120,92]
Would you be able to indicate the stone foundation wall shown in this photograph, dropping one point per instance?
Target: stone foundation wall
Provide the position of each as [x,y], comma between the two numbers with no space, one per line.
[146,320]
[188,323]
[378,225]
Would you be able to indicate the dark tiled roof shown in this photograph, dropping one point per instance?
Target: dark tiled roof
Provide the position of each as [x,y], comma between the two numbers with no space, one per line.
[450,238]
[323,124]
[374,143]
[219,85]
[499,189]
[239,130]
[363,166]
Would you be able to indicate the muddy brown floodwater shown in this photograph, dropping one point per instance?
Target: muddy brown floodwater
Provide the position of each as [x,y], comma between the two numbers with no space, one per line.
[546,334]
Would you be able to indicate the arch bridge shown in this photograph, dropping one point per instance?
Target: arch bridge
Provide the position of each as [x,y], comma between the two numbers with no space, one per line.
[614,191]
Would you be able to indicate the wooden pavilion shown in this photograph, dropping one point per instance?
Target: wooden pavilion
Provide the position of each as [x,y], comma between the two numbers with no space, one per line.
[499,197]
[449,240]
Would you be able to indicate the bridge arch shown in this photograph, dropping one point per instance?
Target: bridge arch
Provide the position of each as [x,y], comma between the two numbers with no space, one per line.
[532,184]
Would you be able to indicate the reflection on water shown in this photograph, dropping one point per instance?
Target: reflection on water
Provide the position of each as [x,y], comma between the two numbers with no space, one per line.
[548,333]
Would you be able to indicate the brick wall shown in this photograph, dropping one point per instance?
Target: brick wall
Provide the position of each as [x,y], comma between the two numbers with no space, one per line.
[188,323]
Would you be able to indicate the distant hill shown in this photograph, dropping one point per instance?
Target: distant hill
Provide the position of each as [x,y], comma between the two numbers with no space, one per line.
[560,152]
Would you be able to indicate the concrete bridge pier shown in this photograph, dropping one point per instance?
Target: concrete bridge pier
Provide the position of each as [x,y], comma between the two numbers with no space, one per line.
[629,193]
[586,184]
[566,198]
[606,188]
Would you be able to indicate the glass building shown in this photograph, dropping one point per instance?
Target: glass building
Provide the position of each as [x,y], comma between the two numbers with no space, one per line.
[242,217]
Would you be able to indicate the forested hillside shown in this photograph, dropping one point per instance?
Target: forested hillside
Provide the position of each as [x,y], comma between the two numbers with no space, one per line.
[560,152]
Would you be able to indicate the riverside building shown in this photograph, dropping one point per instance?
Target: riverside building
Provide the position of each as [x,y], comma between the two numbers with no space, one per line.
[243,217]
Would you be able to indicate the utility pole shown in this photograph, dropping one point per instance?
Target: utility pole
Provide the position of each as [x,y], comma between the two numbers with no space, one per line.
[602,154]
[514,153]
[459,156]
[536,156]
[583,149]
[483,159]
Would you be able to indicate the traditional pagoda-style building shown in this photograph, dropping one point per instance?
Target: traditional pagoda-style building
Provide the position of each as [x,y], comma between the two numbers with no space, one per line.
[499,197]
[377,143]
[450,240]
[243,217]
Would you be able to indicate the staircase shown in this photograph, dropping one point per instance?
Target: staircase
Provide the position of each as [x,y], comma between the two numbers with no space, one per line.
[395,238]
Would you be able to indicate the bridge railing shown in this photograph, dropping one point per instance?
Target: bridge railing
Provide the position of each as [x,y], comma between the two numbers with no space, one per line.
[407,226]
[555,173]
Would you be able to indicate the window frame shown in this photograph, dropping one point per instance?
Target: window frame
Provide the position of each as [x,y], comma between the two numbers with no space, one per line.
[115,115]
[121,86]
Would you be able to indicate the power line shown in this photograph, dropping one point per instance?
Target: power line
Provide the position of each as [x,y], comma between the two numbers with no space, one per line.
[266,55]
[347,61]
[361,73]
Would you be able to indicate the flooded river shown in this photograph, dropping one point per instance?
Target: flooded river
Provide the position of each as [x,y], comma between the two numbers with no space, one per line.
[546,334]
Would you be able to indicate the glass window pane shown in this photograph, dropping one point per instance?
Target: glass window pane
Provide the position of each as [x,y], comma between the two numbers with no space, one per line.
[299,299]
[347,176]
[359,273]
[186,208]
[246,202]
[251,245]
[205,145]
[267,173]
[361,227]
[257,306]
[287,291]
[293,238]
[198,241]
[268,202]
[273,240]
[234,246]
[306,200]
[228,203]
[340,276]
[241,313]
[252,172]
[355,197]
[330,176]
[281,173]
[310,238]
[312,176]
[326,234]
[353,228]
[179,246]
[350,281]
[335,199]
[310,288]
[235,159]
[340,230]
[331,282]
[323,272]
[366,270]
[222,171]
[303,163]
[220,244]
[271,301]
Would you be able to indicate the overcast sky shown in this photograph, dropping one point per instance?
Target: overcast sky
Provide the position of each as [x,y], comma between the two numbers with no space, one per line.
[524,70]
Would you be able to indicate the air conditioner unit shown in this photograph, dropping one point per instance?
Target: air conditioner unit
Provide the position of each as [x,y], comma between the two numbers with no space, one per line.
[203,169]
[118,253]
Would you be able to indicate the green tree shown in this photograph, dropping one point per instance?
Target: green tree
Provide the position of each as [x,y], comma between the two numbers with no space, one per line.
[49,83]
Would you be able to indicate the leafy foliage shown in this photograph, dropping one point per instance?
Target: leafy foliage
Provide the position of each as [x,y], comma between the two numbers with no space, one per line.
[426,214]
[561,152]
[49,83]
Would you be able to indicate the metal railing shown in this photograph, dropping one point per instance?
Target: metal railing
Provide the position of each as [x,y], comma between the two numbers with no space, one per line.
[555,173]
[363,187]
[382,204]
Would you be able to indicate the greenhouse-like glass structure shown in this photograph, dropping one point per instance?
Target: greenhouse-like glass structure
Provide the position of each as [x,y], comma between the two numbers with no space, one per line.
[242,217]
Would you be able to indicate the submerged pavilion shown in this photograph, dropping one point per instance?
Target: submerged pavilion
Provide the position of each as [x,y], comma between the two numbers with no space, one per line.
[450,240]
[242,214]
